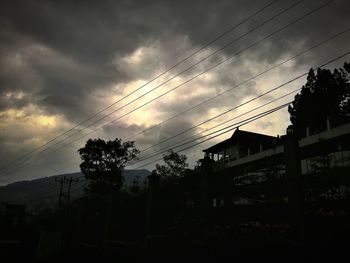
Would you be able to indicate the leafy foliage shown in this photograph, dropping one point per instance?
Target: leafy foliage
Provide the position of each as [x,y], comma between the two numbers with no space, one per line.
[175,165]
[103,163]
[325,94]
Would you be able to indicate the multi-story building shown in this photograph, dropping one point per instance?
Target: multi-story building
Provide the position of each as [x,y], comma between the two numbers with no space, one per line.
[255,176]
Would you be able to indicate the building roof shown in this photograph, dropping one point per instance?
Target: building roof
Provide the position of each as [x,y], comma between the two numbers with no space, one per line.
[240,136]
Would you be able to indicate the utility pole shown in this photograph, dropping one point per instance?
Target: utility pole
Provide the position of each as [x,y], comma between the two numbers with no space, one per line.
[70,181]
[61,181]
[152,211]
[63,194]
[205,199]
[295,185]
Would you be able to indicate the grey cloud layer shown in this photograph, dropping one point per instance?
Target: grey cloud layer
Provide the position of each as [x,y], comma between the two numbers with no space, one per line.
[91,34]
[61,53]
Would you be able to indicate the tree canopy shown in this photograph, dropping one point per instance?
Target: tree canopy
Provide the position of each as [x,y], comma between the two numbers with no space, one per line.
[104,161]
[175,165]
[325,94]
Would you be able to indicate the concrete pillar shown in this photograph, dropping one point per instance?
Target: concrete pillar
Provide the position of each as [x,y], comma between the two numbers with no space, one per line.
[294,186]
[227,199]
[205,199]
[151,218]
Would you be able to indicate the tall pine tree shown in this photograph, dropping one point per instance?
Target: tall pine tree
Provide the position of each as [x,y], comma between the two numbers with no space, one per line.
[326,94]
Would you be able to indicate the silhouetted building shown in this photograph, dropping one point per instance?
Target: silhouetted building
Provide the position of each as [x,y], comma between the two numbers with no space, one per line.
[255,182]
[245,148]
[240,145]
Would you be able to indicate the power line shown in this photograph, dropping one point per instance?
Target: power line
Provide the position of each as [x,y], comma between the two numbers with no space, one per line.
[148,82]
[207,70]
[322,42]
[62,168]
[240,105]
[44,192]
[162,150]
[293,22]
[172,146]
[345,54]
[235,125]
[251,119]
[165,149]
[241,83]
[231,127]
[178,74]
[250,31]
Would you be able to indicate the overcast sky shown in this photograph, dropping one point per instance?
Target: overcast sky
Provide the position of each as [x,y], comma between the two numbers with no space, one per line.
[63,61]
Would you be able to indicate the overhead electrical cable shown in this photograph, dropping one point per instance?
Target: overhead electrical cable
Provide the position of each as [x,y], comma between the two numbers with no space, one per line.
[253,77]
[169,147]
[192,66]
[241,83]
[224,130]
[148,82]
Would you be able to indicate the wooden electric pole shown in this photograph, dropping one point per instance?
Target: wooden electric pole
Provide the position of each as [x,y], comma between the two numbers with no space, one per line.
[62,194]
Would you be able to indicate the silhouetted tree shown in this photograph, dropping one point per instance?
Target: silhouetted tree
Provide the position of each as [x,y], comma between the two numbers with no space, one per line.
[325,94]
[174,167]
[103,163]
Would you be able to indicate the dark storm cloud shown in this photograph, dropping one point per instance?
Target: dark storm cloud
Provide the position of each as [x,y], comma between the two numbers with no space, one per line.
[61,55]
[91,34]
[87,35]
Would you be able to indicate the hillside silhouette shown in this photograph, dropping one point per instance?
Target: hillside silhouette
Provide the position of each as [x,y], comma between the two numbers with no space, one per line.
[30,193]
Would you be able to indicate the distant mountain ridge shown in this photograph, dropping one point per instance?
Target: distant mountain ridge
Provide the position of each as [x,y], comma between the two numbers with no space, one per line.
[43,192]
